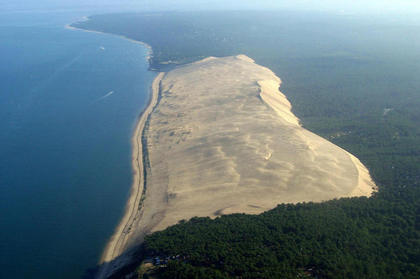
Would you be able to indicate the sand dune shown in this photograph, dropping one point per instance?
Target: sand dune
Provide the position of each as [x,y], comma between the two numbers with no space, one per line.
[223,139]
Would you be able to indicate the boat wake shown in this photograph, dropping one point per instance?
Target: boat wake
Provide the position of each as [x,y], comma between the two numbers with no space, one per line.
[104,96]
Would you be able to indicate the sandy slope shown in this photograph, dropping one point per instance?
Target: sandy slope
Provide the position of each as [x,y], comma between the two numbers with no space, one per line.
[223,139]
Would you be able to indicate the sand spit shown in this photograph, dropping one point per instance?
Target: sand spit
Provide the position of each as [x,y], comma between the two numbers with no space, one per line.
[223,139]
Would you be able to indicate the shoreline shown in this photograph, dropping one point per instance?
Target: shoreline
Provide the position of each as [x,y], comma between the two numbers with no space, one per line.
[116,244]
[146,45]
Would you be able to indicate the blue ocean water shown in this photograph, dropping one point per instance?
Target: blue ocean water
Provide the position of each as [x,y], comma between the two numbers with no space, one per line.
[69,101]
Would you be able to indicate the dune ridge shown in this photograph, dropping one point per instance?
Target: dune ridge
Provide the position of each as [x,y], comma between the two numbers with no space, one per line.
[270,94]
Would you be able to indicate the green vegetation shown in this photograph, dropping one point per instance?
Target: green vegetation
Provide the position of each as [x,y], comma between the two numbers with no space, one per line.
[349,238]
[351,80]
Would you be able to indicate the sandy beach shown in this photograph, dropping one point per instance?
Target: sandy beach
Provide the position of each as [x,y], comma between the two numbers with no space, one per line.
[117,244]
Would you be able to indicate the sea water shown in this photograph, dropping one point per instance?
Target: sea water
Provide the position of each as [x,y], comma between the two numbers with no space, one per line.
[69,101]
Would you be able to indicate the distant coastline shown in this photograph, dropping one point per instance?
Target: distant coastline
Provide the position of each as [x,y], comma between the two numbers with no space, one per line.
[86,18]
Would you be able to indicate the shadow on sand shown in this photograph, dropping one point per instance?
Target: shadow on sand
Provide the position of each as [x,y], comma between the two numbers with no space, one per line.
[123,266]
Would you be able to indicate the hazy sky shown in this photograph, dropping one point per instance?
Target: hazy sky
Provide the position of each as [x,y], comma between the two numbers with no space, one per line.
[346,6]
